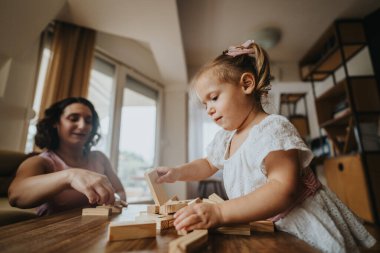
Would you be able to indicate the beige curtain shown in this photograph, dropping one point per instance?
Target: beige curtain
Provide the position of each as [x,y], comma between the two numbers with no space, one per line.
[69,70]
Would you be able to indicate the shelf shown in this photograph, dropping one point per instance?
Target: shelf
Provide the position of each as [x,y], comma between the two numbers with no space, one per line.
[325,56]
[339,121]
[291,97]
[349,112]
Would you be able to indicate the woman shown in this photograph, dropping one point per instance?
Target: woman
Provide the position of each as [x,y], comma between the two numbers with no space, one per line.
[67,174]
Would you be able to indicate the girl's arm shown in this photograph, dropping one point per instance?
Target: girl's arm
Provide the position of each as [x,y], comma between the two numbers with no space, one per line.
[274,197]
[32,185]
[193,171]
[113,178]
[267,201]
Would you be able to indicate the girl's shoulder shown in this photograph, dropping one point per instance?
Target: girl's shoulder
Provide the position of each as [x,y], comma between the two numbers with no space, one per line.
[272,124]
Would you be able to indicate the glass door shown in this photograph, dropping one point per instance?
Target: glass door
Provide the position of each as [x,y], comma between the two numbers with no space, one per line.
[101,94]
[137,143]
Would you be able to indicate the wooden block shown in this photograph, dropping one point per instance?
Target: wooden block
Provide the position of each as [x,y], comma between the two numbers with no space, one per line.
[153,209]
[174,198]
[216,198]
[121,203]
[172,207]
[182,232]
[164,222]
[159,194]
[114,209]
[190,242]
[262,226]
[96,212]
[131,230]
[206,200]
[239,229]
[194,201]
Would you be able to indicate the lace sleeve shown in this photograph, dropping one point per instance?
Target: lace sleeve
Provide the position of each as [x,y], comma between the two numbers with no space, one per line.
[215,150]
[280,134]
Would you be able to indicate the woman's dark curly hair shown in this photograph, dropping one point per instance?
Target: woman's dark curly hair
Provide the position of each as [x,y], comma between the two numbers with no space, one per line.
[47,136]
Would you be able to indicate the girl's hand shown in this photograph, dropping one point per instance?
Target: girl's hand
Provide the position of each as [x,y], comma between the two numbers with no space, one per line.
[167,175]
[198,216]
[95,186]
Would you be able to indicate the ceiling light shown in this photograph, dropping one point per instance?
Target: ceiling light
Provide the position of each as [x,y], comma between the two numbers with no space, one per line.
[267,37]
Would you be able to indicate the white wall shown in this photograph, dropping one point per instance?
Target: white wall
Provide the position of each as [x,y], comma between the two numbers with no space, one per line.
[174,138]
[129,52]
[20,26]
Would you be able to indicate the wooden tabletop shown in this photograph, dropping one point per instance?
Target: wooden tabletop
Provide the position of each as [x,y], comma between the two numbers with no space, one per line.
[72,232]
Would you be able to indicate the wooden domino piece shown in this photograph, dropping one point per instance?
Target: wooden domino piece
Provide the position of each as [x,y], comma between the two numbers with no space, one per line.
[206,200]
[216,198]
[165,222]
[194,201]
[183,232]
[96,212]
[239,229]
[262,226]
[114,209]
[189,242]
[172,207]
[159,194]
[131,230]
[152,209]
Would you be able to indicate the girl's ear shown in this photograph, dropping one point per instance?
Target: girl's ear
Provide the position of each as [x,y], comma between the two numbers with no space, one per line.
[247,82]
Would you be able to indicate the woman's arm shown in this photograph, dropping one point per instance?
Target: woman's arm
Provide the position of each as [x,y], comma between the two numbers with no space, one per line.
[193,171]
[33,185]
[113,178]
[267,201]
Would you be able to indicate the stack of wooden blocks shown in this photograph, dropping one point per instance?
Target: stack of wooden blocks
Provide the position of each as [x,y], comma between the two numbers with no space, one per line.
[159,216]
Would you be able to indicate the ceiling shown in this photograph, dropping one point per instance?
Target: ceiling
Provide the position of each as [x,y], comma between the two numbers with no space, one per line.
[209,27]
[185,34]
[182,35]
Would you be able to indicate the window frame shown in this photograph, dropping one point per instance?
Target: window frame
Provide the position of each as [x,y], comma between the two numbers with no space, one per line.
[122,72]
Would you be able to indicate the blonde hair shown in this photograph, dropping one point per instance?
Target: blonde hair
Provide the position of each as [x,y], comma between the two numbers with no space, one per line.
[229,68]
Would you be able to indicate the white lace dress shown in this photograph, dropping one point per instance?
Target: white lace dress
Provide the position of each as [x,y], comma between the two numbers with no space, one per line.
[321,220]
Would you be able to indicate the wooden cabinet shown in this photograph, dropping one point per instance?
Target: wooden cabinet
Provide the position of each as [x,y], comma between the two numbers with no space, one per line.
[345,176]
[349,113]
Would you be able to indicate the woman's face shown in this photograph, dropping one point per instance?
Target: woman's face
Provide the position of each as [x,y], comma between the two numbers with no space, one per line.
[75,125]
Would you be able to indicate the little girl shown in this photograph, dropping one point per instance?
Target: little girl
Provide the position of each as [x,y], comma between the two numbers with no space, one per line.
[265,163]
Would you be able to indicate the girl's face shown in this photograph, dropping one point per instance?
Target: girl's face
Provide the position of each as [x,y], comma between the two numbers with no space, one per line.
[227,104]
[75,125]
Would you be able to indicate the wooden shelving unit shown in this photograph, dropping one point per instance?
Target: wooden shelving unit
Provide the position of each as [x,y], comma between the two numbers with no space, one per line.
[300,121]
[349,112]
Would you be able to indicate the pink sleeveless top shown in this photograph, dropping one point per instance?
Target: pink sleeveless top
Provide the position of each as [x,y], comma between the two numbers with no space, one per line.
[69,198]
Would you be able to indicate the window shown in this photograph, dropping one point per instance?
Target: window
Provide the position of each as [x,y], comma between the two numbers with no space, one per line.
[137,138]
[101,92]
[44,63]
[127,109]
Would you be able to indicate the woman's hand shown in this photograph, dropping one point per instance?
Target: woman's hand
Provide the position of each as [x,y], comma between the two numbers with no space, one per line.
[167,175]
[95,186]
[198,216]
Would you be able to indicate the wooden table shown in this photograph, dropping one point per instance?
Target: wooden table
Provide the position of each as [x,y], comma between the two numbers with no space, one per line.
[70,232]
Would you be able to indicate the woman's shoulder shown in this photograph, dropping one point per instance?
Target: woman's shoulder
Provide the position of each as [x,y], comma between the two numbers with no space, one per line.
[97,156]
[36,161]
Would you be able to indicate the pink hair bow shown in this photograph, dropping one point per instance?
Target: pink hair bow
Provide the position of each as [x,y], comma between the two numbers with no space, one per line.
[244,48]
